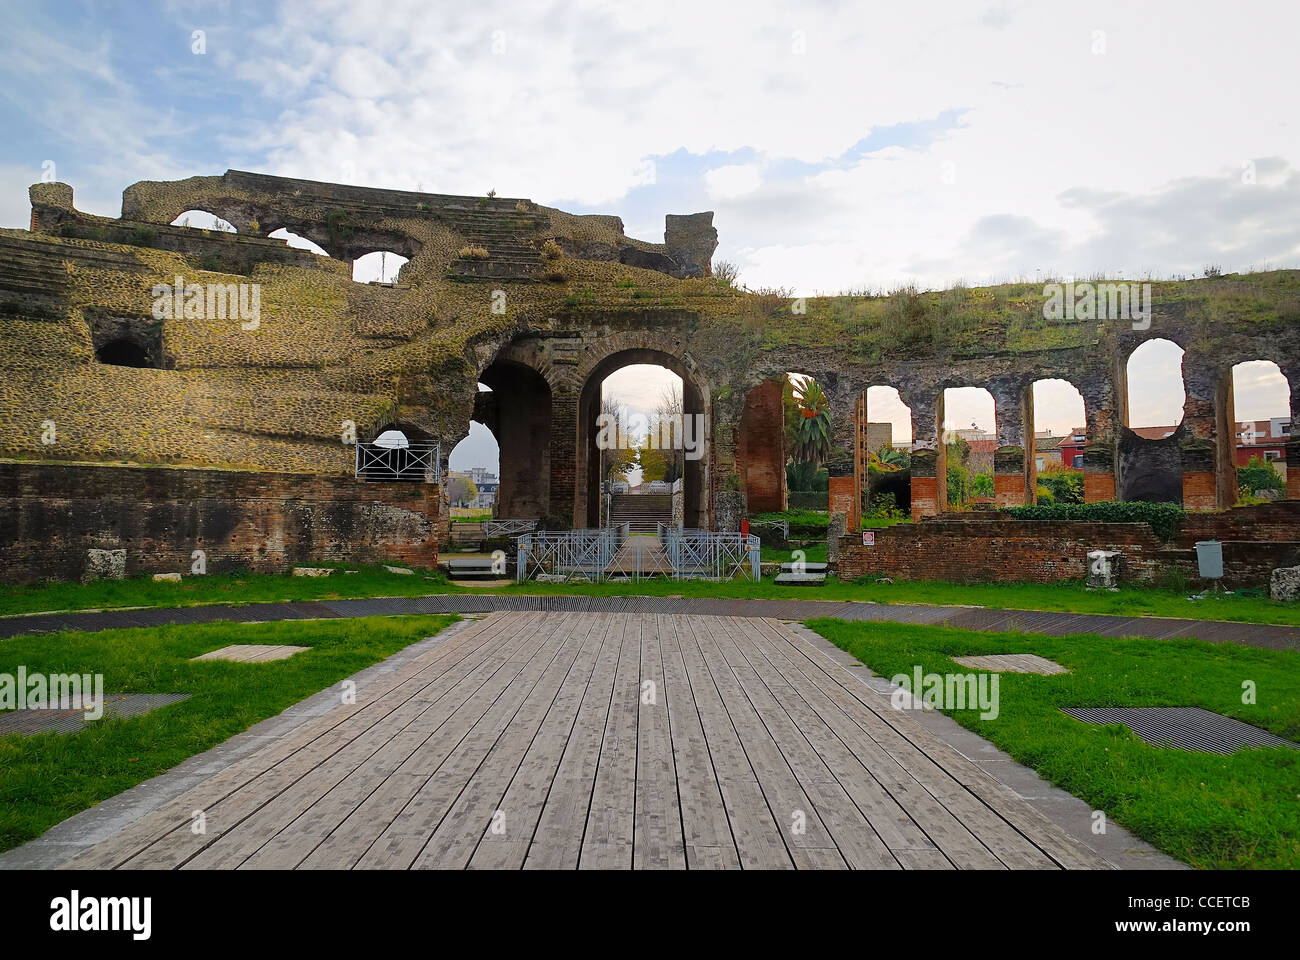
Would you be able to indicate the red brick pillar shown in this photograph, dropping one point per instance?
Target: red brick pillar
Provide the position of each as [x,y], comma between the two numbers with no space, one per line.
[1209,470]
[843,465]
[1104,403]
[1014,472]
[929,462]
[760,448]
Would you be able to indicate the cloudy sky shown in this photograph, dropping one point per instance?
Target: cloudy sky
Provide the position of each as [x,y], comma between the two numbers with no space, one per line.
[842,146]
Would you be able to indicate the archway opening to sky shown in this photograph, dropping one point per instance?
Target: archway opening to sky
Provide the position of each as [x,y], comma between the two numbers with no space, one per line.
[970,439]
[886,434]
[382,266]
[1261,428]
[1156,394]
[301,243]
[202,220]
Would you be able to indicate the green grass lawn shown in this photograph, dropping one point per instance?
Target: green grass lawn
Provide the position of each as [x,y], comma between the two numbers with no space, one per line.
[49,777]
[1209,810]
[813,553]
[374,581]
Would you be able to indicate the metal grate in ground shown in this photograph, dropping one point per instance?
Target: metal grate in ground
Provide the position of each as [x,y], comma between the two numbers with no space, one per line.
[1183,728]
[69,718]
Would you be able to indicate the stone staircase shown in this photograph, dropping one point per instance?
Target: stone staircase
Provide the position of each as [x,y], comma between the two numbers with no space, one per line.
[810,575]
[493,223]
[34,273]
[642,512]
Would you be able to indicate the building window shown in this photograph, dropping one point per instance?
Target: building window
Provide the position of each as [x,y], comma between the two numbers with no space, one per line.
[1272,455]
[1078,461]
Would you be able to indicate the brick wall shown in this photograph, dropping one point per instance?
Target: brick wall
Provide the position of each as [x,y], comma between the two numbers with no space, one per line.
[51,514]
[760,453]
[1255,541]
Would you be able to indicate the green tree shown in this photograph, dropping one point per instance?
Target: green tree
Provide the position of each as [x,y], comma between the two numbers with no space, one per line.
[981,485]
[653,462]
[462,490]
[813,429]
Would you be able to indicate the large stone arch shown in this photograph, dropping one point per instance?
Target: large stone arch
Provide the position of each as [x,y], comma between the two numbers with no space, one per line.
[582,383]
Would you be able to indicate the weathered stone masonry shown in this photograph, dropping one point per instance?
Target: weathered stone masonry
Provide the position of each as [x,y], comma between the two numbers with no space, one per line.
[559,302]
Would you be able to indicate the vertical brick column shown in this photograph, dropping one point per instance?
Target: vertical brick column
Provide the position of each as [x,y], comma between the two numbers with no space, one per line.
[760,448]
[728,410]
[1293,445]
[564,456]
[1014,472]
[1104,410]
[842,464]
[1209,473]
[929,462]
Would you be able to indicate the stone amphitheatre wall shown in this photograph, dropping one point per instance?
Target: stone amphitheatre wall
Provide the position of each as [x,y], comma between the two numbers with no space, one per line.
[541,305]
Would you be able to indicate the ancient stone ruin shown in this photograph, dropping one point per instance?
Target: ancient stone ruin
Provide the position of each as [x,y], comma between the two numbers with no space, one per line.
[540,306]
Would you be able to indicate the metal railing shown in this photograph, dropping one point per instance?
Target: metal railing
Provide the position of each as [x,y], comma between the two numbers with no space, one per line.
[417,463]
[710,555]
[782,525]
[584,553]
[507,528]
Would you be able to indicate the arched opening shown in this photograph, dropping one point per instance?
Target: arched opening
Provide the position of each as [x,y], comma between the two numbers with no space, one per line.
[300,243]
[202,220]
[1156,394]
[970,442]
[1149,461]
[641,414]
[473,472]
[124,352]
[514,403]
[1060,436]
[1261,428]
[885,430]
[382,266]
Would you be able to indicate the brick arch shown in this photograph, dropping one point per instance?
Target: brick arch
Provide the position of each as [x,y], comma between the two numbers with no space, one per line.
[584,381]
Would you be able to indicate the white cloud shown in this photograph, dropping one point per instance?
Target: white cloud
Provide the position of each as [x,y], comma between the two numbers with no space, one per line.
[733,180]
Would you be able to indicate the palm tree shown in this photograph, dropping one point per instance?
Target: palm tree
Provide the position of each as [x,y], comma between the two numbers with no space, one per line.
[813,431]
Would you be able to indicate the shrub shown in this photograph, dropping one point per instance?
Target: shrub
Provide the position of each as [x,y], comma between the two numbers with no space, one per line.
[551,250]
[1258,475]
[1164,518]
[473,253]
[1066,486]
[883,506]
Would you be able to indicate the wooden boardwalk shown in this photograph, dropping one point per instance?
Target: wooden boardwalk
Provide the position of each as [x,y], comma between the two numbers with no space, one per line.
[603,740]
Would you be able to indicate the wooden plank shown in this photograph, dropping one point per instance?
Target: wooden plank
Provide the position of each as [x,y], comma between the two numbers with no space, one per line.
[610,821]
[527,792]
[705,826]
[557,841]
[912,747]
[480,807]
[791,808]
[657,838]
[255,794]
[471,733]
[758,840]
[176,814]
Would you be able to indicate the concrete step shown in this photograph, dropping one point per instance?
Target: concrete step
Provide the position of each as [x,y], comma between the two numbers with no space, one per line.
[789,567]
[800,579]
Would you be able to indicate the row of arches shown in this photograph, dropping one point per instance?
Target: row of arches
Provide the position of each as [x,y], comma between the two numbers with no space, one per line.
[379,266]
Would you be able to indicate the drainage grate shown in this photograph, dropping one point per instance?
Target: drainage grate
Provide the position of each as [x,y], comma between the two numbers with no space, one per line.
[69,718]
[1184,728]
